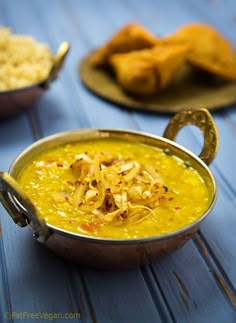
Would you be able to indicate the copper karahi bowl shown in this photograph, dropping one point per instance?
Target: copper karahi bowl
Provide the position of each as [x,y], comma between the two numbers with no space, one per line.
[107,252]
[14,101]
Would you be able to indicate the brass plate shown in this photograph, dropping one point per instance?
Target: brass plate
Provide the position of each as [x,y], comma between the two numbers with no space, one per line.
[189,90]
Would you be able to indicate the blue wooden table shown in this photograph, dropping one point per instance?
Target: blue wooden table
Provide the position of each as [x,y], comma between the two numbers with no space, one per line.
[197,283]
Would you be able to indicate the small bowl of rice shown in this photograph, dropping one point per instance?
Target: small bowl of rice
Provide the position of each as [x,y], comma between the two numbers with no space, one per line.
[27,67]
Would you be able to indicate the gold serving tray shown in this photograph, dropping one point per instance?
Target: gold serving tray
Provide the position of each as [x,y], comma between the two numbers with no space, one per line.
[189,90]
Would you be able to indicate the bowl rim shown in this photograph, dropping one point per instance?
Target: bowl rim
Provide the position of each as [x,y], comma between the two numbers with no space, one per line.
[24,88]
[96,131]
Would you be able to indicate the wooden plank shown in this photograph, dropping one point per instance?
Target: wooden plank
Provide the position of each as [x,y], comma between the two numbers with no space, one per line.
[107,310]
[152,308]
[122,296]
[21,255]
[230,117]
[38,280]
[182,277]
[156,120]
[219,14]
[158,130]
[216,225]
[5,304]
[222,169]
[165,291]
[219,243]
[97,113]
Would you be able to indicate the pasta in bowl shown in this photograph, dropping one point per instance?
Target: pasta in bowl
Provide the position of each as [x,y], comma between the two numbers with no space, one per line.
[113,197]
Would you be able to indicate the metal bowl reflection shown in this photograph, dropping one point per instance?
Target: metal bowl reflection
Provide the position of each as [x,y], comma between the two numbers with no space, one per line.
[107,252]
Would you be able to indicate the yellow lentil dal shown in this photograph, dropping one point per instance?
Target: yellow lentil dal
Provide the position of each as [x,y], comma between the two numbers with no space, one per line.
[170,194]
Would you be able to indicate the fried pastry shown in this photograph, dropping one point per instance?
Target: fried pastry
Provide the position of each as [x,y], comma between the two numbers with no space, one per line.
[131,37]
[209,50]
[147,71]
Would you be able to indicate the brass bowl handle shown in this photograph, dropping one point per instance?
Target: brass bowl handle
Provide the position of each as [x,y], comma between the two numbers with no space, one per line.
[203,120]
[58,61]
[20,207]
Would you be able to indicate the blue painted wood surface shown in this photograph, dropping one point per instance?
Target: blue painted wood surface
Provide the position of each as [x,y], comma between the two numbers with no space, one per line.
[195,284]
